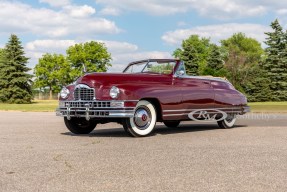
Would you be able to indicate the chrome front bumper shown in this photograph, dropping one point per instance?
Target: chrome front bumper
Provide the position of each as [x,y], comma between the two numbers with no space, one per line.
[96,109]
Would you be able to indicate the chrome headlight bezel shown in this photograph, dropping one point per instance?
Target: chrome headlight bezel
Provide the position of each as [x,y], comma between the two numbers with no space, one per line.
[114,92]
[64,93]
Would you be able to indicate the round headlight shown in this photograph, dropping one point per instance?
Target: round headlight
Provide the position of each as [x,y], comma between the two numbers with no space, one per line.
[114,92]
[64,93]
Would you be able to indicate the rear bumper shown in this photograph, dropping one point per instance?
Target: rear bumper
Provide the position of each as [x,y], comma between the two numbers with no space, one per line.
[245,109]
[96,109]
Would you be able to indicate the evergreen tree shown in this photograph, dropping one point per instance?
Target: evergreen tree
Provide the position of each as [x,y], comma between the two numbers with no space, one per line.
[282,93]
[275,64]
[215,62]
[258,87]
[15,83]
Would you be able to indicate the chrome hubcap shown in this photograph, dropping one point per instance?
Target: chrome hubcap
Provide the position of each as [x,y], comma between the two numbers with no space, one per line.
[142,118]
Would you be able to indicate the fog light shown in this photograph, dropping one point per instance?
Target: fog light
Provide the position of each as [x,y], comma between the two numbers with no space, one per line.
[61,104]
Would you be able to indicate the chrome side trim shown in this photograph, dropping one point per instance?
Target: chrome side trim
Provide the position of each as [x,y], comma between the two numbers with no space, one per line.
[181,112]
[228,108]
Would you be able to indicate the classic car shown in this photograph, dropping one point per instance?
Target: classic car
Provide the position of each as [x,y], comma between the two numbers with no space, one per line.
[147,92]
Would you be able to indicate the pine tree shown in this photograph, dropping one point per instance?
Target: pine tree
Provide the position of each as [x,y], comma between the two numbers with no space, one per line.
[15,83]
[190,59]
[215,60]
[282,93]
[258,87]
[275,64]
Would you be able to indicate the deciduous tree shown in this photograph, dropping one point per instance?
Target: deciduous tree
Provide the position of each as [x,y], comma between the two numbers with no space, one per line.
[194,52]
[52,71]
[244,53]
[92,55]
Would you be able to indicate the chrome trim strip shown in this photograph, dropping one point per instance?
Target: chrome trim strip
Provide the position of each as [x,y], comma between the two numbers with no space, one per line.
[180,114]
[204,78]
[227,108]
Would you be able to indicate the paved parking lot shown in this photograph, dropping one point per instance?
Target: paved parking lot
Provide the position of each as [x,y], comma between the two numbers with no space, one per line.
[37,153]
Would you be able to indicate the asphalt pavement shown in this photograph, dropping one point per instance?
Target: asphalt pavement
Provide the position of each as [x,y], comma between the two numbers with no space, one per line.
[37,153]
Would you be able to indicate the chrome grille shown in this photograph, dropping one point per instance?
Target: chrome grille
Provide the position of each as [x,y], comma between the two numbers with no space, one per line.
[97,104]
[85,93]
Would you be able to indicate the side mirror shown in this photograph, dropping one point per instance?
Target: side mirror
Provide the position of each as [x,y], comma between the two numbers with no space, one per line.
[180,73]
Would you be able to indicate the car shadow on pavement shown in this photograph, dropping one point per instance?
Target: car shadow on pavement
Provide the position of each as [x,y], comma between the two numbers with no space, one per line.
[163,130]
[160,129]
[111,132]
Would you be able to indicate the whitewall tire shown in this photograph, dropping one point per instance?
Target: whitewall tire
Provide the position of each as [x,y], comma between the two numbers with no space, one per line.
[228,122]
[144,120]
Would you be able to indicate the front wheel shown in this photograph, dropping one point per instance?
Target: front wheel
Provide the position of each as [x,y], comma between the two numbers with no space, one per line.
[144,120]
[80,125]
[228,122]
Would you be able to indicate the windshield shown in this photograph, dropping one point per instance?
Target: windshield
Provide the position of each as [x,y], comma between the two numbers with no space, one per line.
[152,67]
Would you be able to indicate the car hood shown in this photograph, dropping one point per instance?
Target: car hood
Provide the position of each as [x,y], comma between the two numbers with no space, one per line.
[92,79]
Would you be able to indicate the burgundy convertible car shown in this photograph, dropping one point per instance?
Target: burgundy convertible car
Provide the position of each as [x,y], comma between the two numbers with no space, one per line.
[148,91]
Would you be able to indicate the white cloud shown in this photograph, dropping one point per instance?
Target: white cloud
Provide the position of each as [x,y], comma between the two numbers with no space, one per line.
[110,11]
[79,11]
[281,11]
[221,9]
[116,47]
[224,9]
[56,3]
[39,47]
[47,22]
[216,32]
[51,46]
[122,52]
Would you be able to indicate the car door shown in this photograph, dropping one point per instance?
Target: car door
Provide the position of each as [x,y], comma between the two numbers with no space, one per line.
[196,92]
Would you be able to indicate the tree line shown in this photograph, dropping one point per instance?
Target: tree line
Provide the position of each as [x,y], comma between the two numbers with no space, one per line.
[52,72]
[259,73]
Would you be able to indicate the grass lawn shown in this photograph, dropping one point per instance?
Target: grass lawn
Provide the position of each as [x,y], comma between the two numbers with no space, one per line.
[37,105]
[51,105]
[270,107]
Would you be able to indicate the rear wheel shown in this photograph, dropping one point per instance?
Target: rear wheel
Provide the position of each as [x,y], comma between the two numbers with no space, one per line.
[80,125]
[228,122]
[171,123]
[144,120]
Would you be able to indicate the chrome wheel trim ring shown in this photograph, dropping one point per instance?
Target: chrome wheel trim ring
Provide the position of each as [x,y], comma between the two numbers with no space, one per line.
[142,118]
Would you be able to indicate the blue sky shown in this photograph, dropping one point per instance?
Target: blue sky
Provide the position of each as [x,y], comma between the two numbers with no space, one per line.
[132,29]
